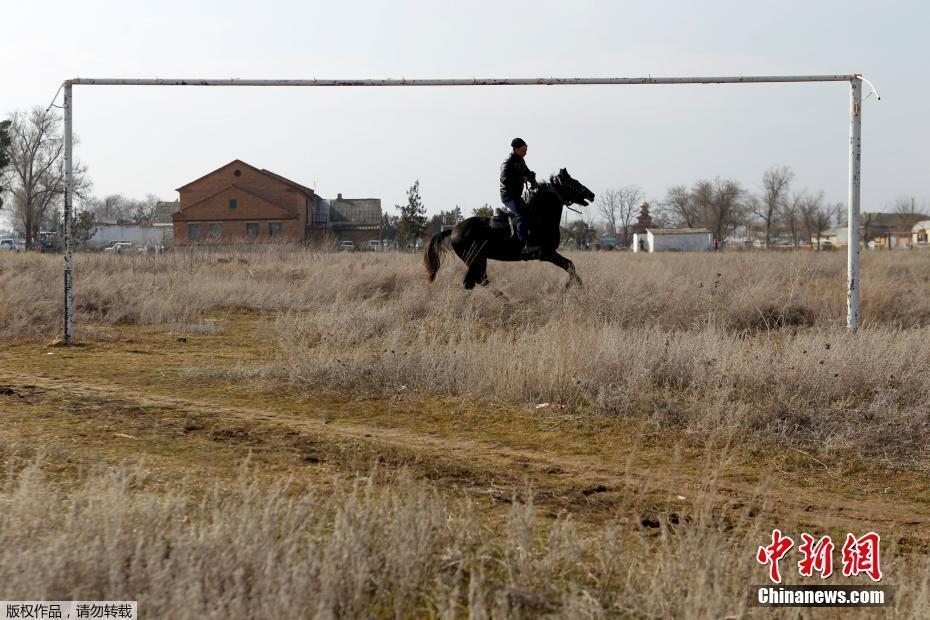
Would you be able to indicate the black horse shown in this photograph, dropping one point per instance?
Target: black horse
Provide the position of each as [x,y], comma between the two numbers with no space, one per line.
[477,239]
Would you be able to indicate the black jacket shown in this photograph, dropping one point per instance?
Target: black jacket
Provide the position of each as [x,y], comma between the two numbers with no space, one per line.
[513,170]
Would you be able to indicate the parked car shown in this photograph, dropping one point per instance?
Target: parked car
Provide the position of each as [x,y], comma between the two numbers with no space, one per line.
[418,246]
[118,247]
[11,245]
[347,246]
[373,245]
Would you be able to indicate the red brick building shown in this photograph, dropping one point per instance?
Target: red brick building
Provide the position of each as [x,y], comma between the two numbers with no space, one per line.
[241,203]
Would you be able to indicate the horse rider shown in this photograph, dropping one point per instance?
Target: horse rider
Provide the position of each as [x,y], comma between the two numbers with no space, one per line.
[514,174]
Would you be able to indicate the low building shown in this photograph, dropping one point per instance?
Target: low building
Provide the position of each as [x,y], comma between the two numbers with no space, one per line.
[883,231]
[888,230]
[920,233]
[673,240]
[836,237]
[347,219]
[241,203]
[138,234]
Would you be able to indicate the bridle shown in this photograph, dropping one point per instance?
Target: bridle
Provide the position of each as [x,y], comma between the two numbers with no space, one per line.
[555,190]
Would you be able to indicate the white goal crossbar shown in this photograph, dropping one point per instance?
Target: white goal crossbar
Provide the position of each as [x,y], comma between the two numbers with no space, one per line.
[855,146]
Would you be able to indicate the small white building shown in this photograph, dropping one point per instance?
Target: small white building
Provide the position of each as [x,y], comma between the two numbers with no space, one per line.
[139,235]
[673,240]
[920,233]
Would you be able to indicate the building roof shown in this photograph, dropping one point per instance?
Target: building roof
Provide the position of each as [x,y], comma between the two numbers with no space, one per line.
[238,188]
[921,225]
[303,188]
[200,178]
[294,184]
[678,231]
[356,211]
[903,221]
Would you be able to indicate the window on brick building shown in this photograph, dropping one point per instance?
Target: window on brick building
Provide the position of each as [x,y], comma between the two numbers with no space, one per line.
[216,231]
[251,230]
[274,229]
[194,232]
[232,203]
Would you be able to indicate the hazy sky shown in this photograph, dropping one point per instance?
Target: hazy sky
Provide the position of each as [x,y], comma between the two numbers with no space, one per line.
[373,142]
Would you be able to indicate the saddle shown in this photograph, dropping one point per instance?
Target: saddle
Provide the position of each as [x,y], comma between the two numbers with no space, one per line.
[502,220]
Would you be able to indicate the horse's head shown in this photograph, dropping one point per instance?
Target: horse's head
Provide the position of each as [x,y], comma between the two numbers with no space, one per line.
[570,190]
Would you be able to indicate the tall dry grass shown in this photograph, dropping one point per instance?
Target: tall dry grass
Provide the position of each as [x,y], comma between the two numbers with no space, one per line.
[377,546]
[732,291]
[749,345]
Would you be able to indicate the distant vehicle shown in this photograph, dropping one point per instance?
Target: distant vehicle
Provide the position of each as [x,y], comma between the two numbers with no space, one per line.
[118,247]
[11,245]
[374,245]
[418,245]
[347,246]
[827,245]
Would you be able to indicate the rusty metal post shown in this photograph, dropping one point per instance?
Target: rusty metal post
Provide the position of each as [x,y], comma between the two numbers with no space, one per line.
[69,184]
[853,280]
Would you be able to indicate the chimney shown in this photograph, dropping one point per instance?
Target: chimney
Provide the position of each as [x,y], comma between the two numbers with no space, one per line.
[338,196]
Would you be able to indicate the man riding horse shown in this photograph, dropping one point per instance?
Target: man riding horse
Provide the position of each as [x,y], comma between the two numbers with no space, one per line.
[478,239]
[514,175]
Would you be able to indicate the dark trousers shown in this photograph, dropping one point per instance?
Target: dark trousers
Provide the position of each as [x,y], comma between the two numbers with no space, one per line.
[521,216]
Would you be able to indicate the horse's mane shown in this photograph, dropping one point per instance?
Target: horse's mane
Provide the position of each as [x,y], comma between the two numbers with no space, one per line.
[546,196]
[543,191]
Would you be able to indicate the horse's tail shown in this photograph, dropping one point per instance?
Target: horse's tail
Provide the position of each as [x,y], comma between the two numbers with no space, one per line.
[432,258]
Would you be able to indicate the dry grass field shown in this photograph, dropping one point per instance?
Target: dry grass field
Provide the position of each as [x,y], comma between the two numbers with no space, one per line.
[240,433]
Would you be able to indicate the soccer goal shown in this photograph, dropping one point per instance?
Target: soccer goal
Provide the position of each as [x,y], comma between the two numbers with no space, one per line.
[855,144]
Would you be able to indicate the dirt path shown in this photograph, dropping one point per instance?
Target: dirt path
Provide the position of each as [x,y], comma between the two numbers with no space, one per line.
[118,421]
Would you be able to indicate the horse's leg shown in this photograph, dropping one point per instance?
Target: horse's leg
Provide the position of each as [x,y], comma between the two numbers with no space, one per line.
[557,259]
[484,273]
[477,272]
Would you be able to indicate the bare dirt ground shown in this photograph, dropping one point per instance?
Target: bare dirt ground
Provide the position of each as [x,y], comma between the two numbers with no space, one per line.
[130,392]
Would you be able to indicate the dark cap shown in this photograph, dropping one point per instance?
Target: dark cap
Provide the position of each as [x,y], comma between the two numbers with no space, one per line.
[517,143]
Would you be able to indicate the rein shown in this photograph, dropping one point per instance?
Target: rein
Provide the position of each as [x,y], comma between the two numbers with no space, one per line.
[565,203]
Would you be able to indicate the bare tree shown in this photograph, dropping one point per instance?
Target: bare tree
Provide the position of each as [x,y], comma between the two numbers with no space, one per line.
[905,205]
[36,150]
[681,206]
[721,204]
[110,209]
[791,215]
[816,217]
[618,207]
[608,205]
[837,213]
[143,210]
[631,199]
[5,143]
[775,185]
[117,208]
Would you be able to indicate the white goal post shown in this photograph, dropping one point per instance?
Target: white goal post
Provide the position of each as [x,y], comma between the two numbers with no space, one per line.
[855,146]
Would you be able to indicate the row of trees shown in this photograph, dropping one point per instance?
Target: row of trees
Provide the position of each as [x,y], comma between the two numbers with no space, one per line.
[32,183]
[117,208]
[723,206]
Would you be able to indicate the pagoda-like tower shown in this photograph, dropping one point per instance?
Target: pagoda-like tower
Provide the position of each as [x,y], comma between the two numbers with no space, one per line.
[644,220]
